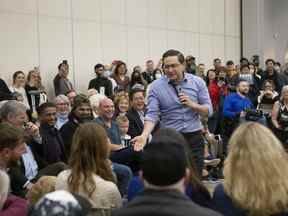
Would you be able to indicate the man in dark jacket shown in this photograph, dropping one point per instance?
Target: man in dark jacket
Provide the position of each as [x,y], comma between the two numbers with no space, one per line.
[101,83]
[164,170]
[52,143]
[5,93]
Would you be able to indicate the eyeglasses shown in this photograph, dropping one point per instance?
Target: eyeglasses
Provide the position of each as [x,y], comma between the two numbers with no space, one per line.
[173,66]
[62,104]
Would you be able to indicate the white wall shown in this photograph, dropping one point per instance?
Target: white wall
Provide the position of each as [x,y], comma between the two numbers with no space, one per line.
[265,29]
[85,32]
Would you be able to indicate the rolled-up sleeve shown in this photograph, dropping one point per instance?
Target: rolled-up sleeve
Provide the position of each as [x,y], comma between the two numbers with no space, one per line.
[152,113]
[204,98]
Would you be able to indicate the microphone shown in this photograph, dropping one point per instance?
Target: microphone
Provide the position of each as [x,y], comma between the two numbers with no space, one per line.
[176,87]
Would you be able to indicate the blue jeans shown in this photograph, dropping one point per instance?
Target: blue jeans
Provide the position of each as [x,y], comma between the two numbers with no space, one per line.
[124,176]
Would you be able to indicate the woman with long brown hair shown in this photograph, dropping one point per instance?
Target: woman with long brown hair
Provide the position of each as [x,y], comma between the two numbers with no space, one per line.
[120,76]
[90,173]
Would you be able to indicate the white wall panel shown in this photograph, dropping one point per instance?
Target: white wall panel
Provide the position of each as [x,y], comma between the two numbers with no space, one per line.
[158,44]
[137,12]
[87,52]
[58,8]
[114,42]
[176,14]
[176,40]
[218,16]
[206,51]
[18,44]
[27,6]
[55,46]
[205,16]
[113,11]
[138,46]
[157,10]
[218,47]
[191,19]
[87,10]
[192,44]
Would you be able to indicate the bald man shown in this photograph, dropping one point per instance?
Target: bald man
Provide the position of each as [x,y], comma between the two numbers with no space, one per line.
[119,154]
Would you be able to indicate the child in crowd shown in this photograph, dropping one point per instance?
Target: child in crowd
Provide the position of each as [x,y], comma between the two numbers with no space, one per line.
[123,124]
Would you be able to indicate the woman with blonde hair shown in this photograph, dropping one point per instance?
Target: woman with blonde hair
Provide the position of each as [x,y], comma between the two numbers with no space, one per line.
[255,174]
[90,173]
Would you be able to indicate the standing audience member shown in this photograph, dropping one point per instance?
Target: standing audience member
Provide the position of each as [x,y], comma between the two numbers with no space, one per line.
[137,80]
[190,64]
[62,84]
[280,117]
[62,110]
[255,174]
[9,204]
[217,65]
[201,71]
[120,76]
[18,86]
[101,83]
[90,174]
[148,73]
[164,172]
[53,148]
[231,76]
[267,97]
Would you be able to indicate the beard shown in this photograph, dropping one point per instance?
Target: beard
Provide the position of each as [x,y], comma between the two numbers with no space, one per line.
[244,92]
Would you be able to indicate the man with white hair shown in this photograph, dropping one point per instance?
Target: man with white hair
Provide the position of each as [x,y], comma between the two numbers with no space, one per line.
[62,108]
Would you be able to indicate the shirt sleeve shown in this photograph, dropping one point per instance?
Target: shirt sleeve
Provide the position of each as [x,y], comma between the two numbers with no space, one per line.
[227,108]
[204,98]
[153,110]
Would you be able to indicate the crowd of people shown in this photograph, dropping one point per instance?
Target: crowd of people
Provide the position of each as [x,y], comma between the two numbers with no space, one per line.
[142,144]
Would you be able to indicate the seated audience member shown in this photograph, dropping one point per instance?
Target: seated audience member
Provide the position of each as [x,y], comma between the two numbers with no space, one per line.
[267,97]
[10,205]
[280,117]
[62,85]
[31,165]
[71,95]
[18,86]
[62,110]
[164,171]
[53,149]
[90,174]
[81,112]
[235,105]
[121,105]
[120,76]
[126,156]
[195,189]
[136,113]
[45,185]
[101,83]
[123,124]
[94,101]
[271,74]
[5,93]
[137,80]
[60,203]
[255,174]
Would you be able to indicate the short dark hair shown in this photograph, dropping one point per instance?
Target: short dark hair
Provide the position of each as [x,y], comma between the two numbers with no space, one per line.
[240,81]
[173,52]
[134,91]
[278,63]
[230,62]
[244,59]
[10,136]
[269,60]
[164,160]
[79,100]
[16,74]
[97,66]
[41,109]
[216,59]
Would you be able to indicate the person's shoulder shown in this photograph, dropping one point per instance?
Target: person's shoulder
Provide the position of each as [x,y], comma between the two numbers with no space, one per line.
[156,84]
[194,78]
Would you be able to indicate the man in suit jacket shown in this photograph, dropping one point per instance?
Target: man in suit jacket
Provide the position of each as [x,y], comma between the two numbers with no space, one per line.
[30,166]
[136,113]
[164,171]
